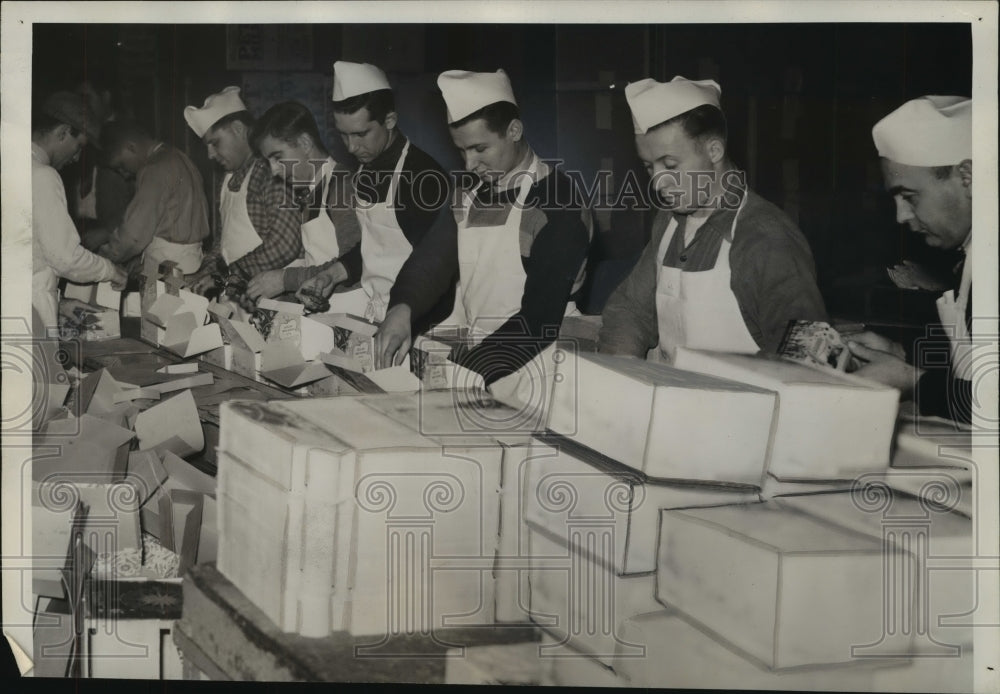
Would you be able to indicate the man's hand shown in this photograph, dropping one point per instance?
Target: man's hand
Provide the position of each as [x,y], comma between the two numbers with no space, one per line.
[318,288]
[885,367]
[200,282]
[267,285]
[877,342]
[119,280]
[393,339]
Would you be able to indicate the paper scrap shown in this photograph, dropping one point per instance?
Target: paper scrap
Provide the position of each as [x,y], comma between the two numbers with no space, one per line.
[184,368]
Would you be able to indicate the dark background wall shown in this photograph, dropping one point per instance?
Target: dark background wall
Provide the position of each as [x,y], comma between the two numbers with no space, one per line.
[800,99]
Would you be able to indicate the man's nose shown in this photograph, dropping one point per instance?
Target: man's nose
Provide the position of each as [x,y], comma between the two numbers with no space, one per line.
[904,211]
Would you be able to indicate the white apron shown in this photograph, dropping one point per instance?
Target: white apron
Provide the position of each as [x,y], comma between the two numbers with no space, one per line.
[384,249]
[698,309]
[951,312]
[319,235]
[188,256]
[489,292]
[238,234]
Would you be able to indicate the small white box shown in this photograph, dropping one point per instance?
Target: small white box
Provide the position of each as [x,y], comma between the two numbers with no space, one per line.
[829,425]
[580,601]
[570,490]
[667,423]
[764,578]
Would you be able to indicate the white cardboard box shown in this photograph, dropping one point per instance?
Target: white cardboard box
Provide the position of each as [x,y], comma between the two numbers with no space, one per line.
[569,491]
[563,667]
[679,655]
[762,577]
[667,423]
[401,532]
[830,425]
[938,539]
[581,602]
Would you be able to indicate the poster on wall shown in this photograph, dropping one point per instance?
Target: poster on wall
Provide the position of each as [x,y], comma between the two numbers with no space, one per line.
[269,47]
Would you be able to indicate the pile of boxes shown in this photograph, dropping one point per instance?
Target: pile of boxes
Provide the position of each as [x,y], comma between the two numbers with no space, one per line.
[717,524]
[114,501]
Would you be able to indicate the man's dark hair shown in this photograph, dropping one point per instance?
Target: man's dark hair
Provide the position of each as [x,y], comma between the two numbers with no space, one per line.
[497,115]
[286,121]
[243,117]
[380,103]
[42,124]
[115,134]
[700,123]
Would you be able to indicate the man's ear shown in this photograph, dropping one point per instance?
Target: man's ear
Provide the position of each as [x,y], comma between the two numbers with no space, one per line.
[515,130]
[239,129]
[390,120]
[715,147]
[132,147]
[965,173]
[62,131]
[304,141]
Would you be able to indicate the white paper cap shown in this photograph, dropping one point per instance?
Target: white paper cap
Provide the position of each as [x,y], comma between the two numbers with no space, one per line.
[466,92]
[216,107]
[654,102]
[352,79]
[929,131]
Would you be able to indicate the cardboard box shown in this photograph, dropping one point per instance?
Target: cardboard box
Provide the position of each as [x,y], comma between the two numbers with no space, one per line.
[282,363]
[172,425]
[830,425]
[570,491]
[665,422]
[564,667]
[680,655]
[85,449]
[751,575]
[388,510]
[581,602]
[938,538]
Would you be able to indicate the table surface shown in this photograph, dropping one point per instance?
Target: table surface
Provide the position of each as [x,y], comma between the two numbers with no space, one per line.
[229,636]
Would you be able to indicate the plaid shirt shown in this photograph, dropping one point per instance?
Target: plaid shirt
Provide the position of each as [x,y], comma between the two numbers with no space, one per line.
[274,215]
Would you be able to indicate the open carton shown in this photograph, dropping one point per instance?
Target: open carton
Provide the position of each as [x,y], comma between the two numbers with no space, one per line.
[186,337]
[96,294]
[172,425]
[84,449]
[282,363]
[245,343]
[111,525]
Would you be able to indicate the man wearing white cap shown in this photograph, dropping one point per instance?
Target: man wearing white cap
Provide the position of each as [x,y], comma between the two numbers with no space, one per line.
[520,247]
[260,225]
[926,153]
[724,270]
[289,139]
[60,128]
[400,194]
